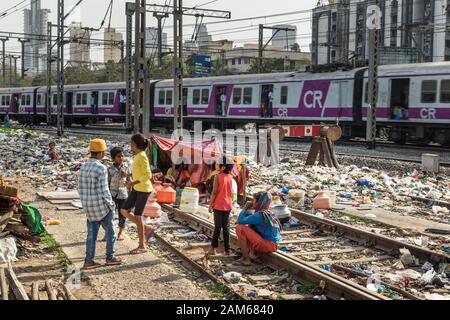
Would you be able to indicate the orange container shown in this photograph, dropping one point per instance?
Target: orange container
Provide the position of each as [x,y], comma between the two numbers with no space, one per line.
[322,202]
[152,209]
[167,194]
[157,185]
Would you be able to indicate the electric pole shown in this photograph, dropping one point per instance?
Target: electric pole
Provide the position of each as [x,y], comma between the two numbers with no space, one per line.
[159,17]
[49,100]
[22,42]
[60,69]
[141,100]
[374,25]
[178,64]
[262,46]
[3,40]
[129,11]
[15,68]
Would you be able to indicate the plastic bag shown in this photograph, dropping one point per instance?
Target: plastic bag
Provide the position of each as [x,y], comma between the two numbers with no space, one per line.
[33,219]
[8,250]
[428,276]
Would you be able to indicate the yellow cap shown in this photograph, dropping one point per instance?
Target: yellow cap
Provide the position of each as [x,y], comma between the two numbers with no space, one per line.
[98,145]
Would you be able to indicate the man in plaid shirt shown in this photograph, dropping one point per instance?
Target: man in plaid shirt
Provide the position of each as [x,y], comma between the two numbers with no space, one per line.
[97,204]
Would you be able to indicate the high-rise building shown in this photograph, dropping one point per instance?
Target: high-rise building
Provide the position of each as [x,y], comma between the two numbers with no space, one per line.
[35,23]
[408,31]
[151,39]
[112,50]
[79,45]
[285,39]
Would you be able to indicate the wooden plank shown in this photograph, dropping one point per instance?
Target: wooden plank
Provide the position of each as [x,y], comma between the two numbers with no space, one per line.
[359,260]
[3,284]
[259,278]
[297,231]
[69,294]
[292,297]
[334,251]
[35,291]
[50,292]
[16,286]
[60,201]
[307,240]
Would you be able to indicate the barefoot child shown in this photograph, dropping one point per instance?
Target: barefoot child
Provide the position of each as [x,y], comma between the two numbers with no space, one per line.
[52,153]
[119,174]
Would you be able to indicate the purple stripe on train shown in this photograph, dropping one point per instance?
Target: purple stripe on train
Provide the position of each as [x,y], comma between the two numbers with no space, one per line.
[327,112]
[416,113]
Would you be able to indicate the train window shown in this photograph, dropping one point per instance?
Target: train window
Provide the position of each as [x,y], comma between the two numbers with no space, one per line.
[162,97]
[84,99]
[105,98]
[22,100]
[111,97]
[28,100]
[4,101]
[78,99]
[169,100]
[237,96]
[445,91]
[55,99]
[248,92]
[429,88]
[284,95]
[39,99]
[205,96]
[196,97]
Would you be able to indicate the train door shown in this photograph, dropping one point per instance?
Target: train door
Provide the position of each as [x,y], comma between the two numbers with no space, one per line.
[94,102]
[220,99]
[399,99]
[266,100]
[69,102]
[343,100]
[16,102]
[185,101]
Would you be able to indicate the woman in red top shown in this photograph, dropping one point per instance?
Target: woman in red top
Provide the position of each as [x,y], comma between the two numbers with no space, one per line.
[222,204]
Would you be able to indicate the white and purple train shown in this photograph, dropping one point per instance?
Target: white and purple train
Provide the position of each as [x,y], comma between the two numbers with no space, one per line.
[413,101]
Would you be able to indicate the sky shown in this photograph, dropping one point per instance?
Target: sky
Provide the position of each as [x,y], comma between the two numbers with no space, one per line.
[91,13]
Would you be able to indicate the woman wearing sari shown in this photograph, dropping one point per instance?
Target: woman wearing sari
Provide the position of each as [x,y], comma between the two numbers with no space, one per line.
[258,232]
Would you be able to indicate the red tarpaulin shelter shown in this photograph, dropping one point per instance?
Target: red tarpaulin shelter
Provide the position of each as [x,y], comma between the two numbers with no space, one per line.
[200,155]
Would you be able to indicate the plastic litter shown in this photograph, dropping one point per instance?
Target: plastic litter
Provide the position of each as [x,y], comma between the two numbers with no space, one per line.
[428,276]
[232,277]
[8,250]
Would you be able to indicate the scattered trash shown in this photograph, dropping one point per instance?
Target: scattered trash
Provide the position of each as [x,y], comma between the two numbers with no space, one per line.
[232,277]
[428,276]
[427,266]
[407,258]
[8,250]
[326,268]
[371,216]
[264,293]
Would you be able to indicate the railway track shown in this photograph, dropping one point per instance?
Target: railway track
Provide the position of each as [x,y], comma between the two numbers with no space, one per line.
[328,256]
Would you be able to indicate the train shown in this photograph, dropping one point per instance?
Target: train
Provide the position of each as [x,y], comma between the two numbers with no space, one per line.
[413,101]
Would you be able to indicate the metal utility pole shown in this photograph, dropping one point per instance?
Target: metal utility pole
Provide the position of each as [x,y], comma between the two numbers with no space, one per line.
[10,70]
[178,64]
[141,101]
[129,11]
[159,17]
[122,60]
[60,69]
[3,40]
[262,46]
[22,42]
[374,25]
[15,68]
[49,100]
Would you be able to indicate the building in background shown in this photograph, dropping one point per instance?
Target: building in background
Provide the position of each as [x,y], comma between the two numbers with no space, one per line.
[35,23]
[239,60]
[79,45]
[112,49]
[151,36]
[411,31]
[285,39]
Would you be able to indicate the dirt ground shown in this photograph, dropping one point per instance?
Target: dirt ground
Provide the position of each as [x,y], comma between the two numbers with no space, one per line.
[148,276]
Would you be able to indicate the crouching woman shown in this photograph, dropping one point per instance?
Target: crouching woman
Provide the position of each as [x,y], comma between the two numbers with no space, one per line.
[258,232]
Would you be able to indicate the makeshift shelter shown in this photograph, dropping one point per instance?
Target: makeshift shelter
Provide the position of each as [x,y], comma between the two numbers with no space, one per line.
[198,156]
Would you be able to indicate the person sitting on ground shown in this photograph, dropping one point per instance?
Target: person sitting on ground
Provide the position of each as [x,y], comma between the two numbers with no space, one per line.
[98,204]
[52,153]
[119,175]
[6,121]
[141,189]
[258,232]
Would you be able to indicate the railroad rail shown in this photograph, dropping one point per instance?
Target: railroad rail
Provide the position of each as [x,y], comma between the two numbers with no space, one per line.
[341,247]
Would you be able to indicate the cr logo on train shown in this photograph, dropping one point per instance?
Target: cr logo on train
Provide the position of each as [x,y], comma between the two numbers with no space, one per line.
[313,99]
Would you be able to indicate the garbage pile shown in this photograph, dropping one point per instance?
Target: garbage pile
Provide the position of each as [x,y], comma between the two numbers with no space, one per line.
[395,192]
[25,154]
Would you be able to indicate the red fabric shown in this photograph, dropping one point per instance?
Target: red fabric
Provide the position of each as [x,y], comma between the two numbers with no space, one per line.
[223,200]
[255,242]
